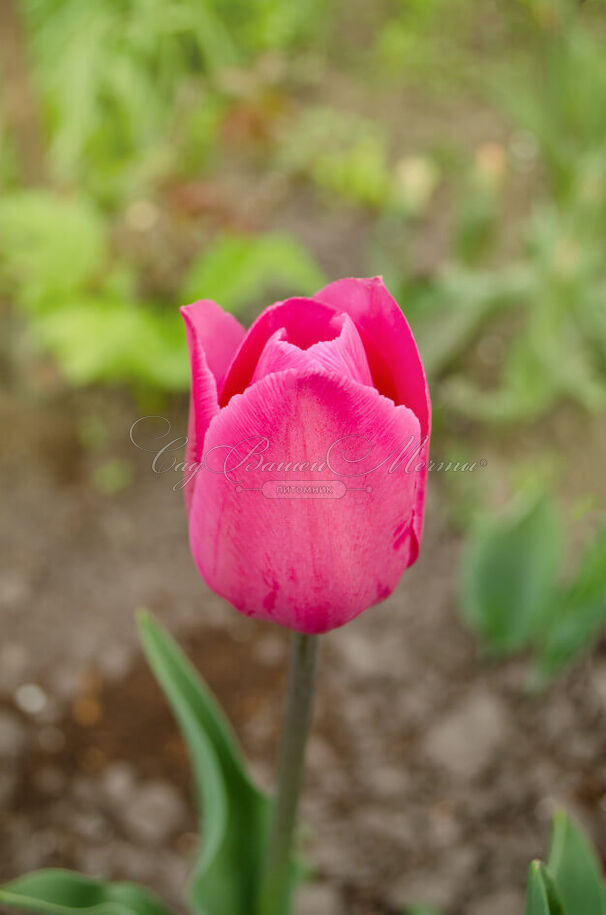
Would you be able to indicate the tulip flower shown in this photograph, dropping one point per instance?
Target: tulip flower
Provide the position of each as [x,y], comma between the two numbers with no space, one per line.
[307,449]
[306,469]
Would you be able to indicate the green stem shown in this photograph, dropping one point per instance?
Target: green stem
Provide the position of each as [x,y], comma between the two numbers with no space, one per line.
[277,876]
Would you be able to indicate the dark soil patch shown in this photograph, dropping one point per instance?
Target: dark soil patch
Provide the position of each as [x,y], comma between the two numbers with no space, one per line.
[432,776]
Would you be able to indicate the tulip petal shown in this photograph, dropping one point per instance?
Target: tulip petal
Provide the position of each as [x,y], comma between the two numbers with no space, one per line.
[310,563]
[278,355]
[305,322]
[393,356]
[217,333]
[213,335]
[344,355]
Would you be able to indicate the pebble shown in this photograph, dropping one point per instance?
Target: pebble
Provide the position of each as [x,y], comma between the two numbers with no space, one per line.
[115,663]
[13,663]
[270,650]
[117,782]
[598,684]
[359,655]
[505,902]
[439,886]
[318,899]
[50,780]
[467,738]
[154,810]
[14,591]
[13,735]
[51,739]
[8,784]
[30,698]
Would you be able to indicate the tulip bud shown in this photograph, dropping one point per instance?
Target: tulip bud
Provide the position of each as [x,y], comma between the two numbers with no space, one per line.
[309,434]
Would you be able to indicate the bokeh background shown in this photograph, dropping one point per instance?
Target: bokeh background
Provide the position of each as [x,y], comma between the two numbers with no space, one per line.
[156,151]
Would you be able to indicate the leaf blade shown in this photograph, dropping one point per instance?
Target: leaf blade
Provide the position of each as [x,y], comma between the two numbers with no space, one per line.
[235,811]
[61,892]
[575,868]
[541,895]
[509,572]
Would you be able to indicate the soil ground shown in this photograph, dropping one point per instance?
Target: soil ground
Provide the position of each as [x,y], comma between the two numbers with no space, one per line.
[432,775]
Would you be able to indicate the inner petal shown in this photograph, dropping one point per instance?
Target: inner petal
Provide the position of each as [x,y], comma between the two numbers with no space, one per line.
[305,321]
[345,354]
[342,355]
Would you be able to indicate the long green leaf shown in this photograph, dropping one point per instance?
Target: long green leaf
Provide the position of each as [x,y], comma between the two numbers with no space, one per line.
[509,574]
[235,812]
[541,895]
[579,613]
[62,892]
[575,869]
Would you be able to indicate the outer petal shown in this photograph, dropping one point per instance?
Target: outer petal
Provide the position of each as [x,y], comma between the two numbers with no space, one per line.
[213,335]
[307,563]
[393,356]
[217,333]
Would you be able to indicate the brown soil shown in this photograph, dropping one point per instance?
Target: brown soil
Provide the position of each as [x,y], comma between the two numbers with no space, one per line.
[432,775]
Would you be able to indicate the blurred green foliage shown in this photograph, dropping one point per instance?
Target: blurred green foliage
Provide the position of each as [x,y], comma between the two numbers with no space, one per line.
[234,268]
[116,77]
[82,302]
[51,246]
[180,109]
[515,595]
[344,154]
[573,878]
[139,97]
[509,574]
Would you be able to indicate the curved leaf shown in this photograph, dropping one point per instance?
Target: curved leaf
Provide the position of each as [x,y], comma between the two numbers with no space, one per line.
[235,811]
[62,892]
[578,614]
[541,895]
[509,574]
[575,869]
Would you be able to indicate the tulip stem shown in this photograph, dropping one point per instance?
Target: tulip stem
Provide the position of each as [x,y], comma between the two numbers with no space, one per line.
[277,878]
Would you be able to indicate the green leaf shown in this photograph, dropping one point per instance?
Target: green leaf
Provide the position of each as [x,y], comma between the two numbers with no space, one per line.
[51,245]
[236,270]
[62,892]
[576,869]
[509,572]
[459,304]
[235,811]
[578,615]
[104,338]
[541,895]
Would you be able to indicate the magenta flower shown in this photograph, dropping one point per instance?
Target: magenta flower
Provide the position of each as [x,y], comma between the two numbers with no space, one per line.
[306,462]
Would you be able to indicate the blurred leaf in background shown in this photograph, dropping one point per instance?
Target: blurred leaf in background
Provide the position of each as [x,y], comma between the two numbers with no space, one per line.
[103,339]
[514,594]
[343,153]
[509,573]
[52,246]
[236,270]
[558,91]
[114,75]
[82,301]
[578,616]
[542,898]
[575,868]
[559,352]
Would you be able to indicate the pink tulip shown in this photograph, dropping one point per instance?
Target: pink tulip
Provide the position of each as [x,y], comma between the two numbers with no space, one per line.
[307,453]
